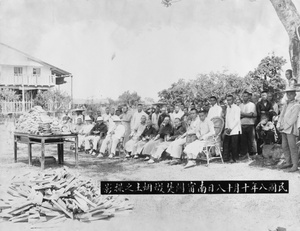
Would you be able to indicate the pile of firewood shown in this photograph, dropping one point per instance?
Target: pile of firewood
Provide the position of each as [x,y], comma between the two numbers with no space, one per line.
[54,196]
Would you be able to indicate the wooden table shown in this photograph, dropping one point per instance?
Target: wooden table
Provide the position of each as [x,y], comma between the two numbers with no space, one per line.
[30,139]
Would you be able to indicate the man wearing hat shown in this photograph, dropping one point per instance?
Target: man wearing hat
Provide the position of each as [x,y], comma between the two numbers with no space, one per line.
[113,138]
[98,131]
[288,125]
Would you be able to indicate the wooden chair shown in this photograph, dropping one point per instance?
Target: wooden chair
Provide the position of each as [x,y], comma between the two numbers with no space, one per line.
[215,142]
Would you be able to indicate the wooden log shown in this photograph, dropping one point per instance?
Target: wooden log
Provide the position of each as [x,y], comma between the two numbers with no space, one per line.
[84,198]
[63,209]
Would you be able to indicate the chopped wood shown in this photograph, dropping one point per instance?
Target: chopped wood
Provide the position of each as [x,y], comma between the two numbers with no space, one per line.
[53,196]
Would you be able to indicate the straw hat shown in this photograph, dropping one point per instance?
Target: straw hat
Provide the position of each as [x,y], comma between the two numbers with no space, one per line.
[99,118]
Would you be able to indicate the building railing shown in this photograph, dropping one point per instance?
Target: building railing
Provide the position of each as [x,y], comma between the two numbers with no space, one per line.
[27,80]
[17,106]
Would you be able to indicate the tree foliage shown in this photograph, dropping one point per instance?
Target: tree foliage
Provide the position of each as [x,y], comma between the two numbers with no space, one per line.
[53,99]
[8,95]
[129,98]
[202,87]
[267,76]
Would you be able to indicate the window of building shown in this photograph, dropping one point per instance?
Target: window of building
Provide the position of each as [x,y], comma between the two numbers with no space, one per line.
[36,71]
[18,70]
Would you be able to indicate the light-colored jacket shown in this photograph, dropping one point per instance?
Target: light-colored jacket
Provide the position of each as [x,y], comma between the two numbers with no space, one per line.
[289,119]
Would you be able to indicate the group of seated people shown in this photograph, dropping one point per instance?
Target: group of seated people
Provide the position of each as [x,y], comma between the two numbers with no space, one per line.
[183,131]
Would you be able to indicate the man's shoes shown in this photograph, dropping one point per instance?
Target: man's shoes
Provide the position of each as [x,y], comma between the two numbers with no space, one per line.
[190,164]
[93,153]
[285,165]
[111,156]
[87,151]
[293,169]
[151,161]
[147,158]
[128,156]
[175,162]
[136,156]
[232,161]
[100,155]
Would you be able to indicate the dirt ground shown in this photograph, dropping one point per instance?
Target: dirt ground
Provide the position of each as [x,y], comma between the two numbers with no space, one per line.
[170,212]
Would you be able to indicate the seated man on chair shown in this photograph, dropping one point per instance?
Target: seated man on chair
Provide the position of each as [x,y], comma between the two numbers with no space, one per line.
[175,148]
[204,132]
[113,138]
[97,132]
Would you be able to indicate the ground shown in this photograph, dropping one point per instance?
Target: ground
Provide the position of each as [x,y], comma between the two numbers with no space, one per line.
[171,212]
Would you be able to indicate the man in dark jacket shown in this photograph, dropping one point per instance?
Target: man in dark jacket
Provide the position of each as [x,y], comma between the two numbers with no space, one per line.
[98,131]
[162,116]
[179,130]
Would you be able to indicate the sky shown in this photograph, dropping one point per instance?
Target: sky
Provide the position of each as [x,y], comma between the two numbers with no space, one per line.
[111,46]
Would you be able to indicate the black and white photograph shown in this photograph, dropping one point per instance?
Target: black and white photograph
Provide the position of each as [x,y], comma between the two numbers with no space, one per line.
[150,115]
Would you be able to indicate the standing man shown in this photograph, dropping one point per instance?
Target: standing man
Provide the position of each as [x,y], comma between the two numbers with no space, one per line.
[264,106]
[177,114]
[106,116]
[289,125]
[154,118]
[291,80]
[126,120]
[248,119]
[136,118]
[215,110]
[232,131]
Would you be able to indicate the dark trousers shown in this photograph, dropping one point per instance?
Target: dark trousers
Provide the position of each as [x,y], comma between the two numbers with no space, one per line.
[230,147]
[248,141]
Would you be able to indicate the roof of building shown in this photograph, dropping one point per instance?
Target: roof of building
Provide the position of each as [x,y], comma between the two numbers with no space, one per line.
[55,70]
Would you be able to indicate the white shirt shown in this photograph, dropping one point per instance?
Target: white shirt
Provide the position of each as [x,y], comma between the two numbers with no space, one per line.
[154,119]
[248,108]
[119,131]
[194,126]
[206,129]
[214,111]
[136,118]
[233,119]
[106,118]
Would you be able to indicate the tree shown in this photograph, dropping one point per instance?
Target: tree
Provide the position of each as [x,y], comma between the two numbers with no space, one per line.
[8,95]
[53,100]
[290,18]
[202,87]
[267,76]
[129,99]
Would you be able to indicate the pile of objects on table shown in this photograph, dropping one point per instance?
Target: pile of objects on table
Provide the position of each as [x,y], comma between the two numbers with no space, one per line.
[53,196]
[37,122]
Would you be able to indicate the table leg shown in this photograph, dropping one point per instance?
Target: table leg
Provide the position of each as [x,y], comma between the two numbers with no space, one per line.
[15,148]
[59,153]
[29,153]
[43,154]
[76,151]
